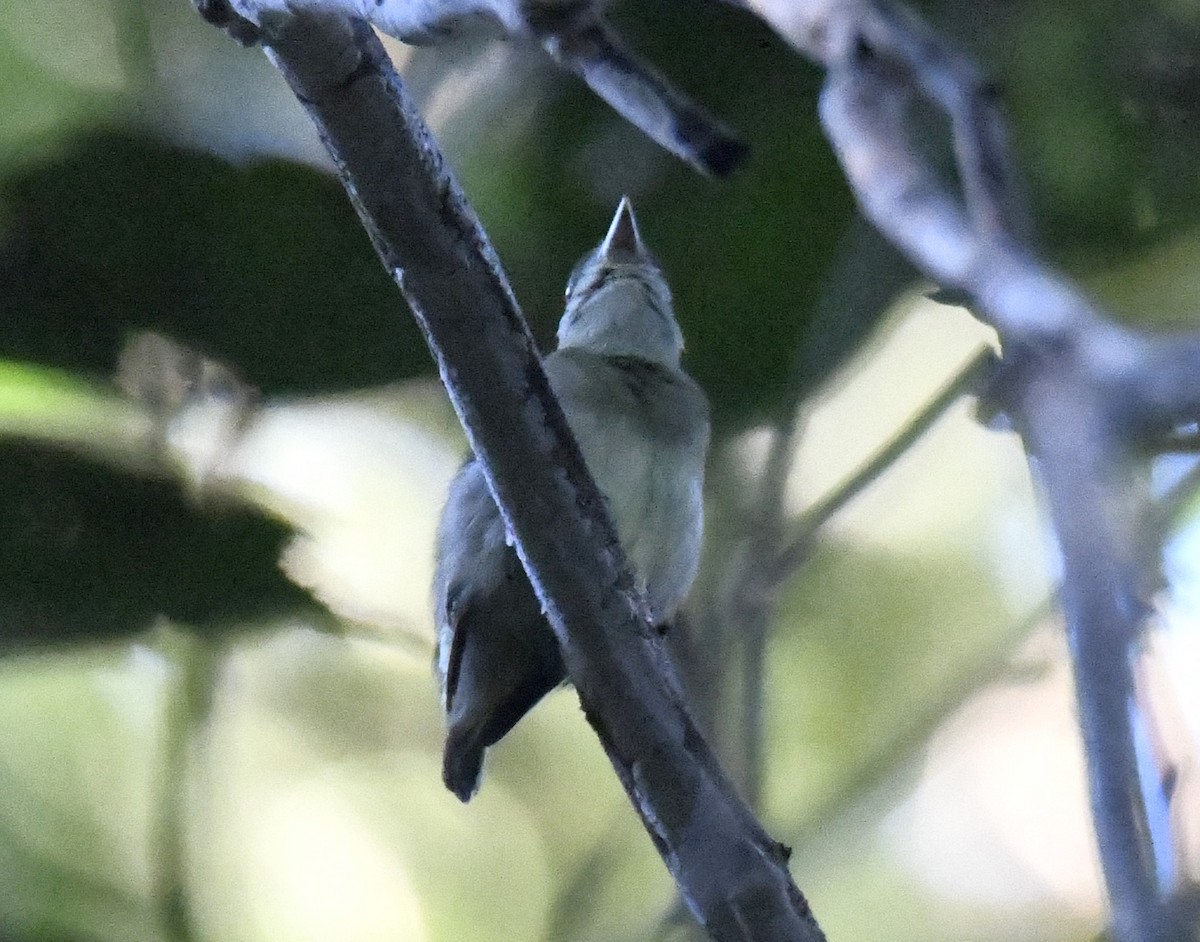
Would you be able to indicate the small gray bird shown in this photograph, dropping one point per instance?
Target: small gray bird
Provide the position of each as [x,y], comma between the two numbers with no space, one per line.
[642,424]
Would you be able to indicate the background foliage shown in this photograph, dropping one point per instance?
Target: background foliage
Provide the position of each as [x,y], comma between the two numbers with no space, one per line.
[217,718]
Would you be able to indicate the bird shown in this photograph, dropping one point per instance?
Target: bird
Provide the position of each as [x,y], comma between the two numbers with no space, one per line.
[643,426]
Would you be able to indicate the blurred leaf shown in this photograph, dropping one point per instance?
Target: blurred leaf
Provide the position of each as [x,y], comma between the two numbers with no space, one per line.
[86,552]
[265,267]
[321,810]
[242,257]
[53,406]
[314,806]
[78,778]
[854,665]
[1104,99]
[58,73]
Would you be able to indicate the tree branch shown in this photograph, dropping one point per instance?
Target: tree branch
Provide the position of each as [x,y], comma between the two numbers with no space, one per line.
[637,92]
[574,34]
[1079,386]
[733,876]
[1087,493]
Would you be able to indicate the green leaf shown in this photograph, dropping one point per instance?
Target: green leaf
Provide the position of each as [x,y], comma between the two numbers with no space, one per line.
[265,267]
[88,552]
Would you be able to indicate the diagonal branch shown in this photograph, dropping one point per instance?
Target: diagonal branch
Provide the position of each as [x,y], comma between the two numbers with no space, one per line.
[804,531]
[573,33]
[637,92]
[732,874]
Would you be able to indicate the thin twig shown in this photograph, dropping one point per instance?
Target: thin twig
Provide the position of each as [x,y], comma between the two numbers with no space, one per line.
[189,705]
[775,558]
[800,541]
[732,874]
[850,790]
[992,194]
[734,627]
[1150,380]
[865,277]
[755,595]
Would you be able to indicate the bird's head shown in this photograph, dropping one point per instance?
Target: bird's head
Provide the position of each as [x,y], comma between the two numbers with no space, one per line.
[618,302]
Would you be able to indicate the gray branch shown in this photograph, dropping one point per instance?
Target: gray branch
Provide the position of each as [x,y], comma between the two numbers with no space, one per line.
[574,34]
[732,874]
[1071,435]
[637,92]
[1079,386]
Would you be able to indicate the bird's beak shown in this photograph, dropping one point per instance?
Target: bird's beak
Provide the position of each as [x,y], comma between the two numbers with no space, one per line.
[623,239]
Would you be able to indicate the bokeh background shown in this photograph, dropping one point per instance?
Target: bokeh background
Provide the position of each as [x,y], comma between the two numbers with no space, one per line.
[217,715]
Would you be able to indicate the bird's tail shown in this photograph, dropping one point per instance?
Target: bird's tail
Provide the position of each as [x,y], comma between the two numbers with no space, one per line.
[481,716]
[462,761]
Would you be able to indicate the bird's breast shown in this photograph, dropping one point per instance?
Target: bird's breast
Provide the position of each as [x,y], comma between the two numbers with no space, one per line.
[643,431]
